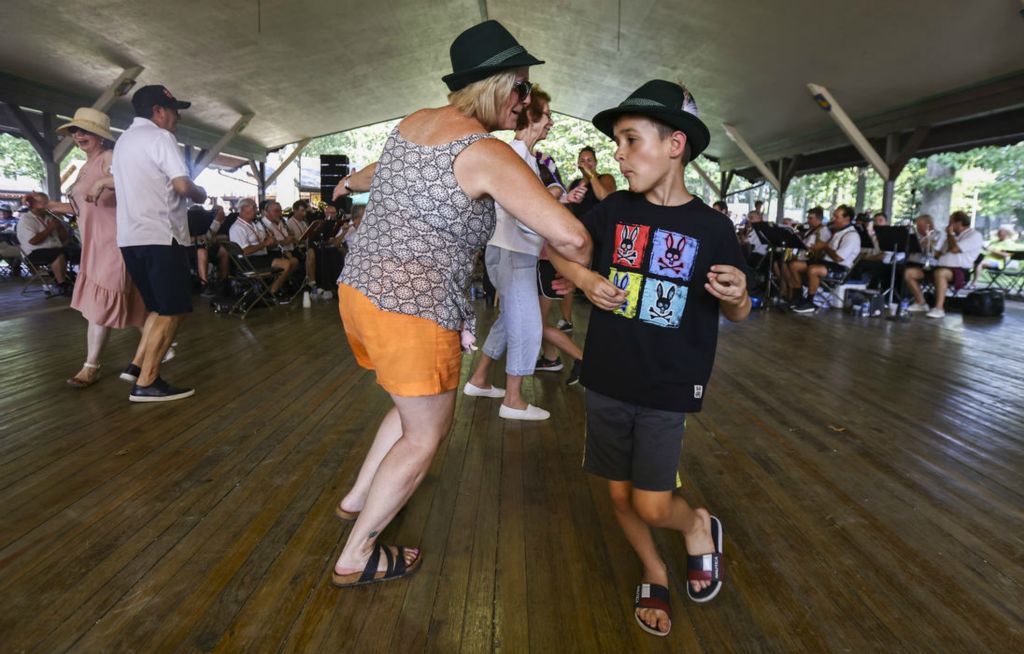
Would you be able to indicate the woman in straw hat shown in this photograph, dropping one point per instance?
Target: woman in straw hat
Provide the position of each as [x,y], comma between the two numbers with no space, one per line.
[104,293]
[403,291]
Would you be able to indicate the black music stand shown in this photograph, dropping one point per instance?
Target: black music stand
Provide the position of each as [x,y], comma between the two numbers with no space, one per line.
[199,220]
[775,237]
[894,240]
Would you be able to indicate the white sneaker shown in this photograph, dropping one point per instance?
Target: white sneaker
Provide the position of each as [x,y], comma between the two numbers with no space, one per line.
[529,413]
[936,313]
[918,307]
[476,391]
[170,353]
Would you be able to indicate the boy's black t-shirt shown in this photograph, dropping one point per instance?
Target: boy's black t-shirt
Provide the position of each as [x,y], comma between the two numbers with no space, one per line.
[656,350]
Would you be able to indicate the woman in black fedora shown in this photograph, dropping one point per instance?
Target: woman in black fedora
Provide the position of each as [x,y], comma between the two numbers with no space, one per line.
[403,292]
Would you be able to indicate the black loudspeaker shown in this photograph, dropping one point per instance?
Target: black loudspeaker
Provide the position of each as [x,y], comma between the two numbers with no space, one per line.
[333,167]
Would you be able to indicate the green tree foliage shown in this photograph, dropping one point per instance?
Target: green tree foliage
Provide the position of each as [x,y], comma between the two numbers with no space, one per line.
[19,158]
[987,180]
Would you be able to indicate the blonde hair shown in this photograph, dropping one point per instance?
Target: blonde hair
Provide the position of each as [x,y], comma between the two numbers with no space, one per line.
[483,99]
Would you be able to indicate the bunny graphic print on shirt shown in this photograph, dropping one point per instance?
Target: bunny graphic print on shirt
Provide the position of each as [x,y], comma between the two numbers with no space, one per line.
[656,349]
[668,261]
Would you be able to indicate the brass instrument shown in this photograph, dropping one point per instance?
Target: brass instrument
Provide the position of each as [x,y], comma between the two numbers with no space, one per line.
[812,254]
[927,248]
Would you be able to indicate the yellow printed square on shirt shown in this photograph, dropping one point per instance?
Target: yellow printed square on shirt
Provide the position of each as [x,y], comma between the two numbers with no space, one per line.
[629,282]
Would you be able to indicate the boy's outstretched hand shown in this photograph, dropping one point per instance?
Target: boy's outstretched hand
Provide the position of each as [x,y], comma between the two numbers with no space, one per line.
[602,292]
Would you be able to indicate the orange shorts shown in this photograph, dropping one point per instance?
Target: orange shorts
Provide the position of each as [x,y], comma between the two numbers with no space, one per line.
[412,356]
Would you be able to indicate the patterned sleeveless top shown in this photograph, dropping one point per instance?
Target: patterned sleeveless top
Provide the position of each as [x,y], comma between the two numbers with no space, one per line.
[414,251]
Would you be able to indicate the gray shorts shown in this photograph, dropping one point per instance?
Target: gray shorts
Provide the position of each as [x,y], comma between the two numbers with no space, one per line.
[626,442]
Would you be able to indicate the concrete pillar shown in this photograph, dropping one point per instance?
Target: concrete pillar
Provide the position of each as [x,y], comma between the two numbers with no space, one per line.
[888,192]
[935,200]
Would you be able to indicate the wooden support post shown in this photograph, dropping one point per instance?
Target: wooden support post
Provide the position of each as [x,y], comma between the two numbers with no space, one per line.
[118,88]
[723,187]
[706,178]
[259,173]
[742,144]
[299,147]
[212,153]
[43,143]
[787,168]
[898,151]
[829,104]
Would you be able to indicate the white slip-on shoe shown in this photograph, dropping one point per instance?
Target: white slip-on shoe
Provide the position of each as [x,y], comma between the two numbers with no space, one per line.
[529,413]
[917,307]
[936,313]
[476,391]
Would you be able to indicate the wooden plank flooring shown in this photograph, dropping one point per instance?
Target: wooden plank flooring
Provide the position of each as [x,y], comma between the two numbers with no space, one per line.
[868,474]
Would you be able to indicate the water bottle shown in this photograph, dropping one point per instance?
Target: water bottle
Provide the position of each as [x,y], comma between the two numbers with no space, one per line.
[865,310]
[306,302]
[904,306]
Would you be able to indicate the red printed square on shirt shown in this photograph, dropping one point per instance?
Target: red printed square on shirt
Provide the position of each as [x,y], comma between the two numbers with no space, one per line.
[630,245]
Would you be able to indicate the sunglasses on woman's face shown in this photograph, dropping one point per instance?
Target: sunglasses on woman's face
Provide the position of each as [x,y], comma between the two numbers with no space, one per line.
[522,87]
[75,130]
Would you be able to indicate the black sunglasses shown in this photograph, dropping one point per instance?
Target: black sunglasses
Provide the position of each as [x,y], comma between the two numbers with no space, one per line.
[522,88]
[74,130]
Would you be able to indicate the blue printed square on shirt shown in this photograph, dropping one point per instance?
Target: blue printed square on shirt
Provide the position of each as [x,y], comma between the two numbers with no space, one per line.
[663,303]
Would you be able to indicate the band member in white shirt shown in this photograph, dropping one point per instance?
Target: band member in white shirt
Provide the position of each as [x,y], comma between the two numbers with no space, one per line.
[793,271]
[838,254]
[956,261]
[254,239]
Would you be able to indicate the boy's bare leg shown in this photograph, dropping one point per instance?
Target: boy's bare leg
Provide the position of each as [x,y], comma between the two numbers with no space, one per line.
[669,511]
[639,536]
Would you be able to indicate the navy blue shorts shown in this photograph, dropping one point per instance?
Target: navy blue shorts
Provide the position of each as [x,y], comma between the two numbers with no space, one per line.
[161,273]
[45,256]
[627,442]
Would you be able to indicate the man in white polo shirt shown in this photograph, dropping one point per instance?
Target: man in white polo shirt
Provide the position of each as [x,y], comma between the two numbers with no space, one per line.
[41,237]
[956,263]
[153,188]
[253,236]
[840,253]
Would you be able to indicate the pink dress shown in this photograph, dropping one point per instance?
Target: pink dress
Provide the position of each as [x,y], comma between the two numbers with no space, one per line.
[104,293]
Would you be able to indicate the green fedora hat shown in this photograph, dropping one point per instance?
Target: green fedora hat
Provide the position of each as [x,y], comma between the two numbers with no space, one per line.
[482,51]
[666,102]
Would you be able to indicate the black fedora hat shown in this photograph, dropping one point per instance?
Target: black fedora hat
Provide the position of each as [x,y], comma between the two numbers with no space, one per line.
[663,101]
[482,51]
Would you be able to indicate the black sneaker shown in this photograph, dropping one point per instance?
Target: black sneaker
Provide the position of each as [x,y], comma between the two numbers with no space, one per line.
[803,306]
[565,326]
[548,365]
[282,298]
[207,290]
[159,391]
[131,373]
[574,374]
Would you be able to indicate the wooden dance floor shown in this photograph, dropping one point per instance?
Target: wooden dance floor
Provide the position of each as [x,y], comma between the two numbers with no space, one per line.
[868,475]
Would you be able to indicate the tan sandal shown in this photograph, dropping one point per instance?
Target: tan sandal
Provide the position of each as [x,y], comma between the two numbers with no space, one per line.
[75,382]
[396,568]
[347,516]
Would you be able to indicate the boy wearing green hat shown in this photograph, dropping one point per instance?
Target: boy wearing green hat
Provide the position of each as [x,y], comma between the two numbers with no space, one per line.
[671,264]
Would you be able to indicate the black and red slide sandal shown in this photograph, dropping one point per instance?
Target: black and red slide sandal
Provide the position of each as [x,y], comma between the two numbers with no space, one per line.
[707,567]
[652,596]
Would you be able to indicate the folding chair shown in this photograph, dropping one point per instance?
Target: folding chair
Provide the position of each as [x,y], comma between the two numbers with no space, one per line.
[256,290]
[38,274]
[834,285]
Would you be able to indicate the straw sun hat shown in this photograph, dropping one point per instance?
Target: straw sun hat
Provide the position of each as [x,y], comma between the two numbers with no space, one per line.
[90,120]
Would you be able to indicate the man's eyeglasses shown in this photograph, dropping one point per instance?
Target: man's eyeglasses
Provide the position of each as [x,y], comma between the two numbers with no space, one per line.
[522,88]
